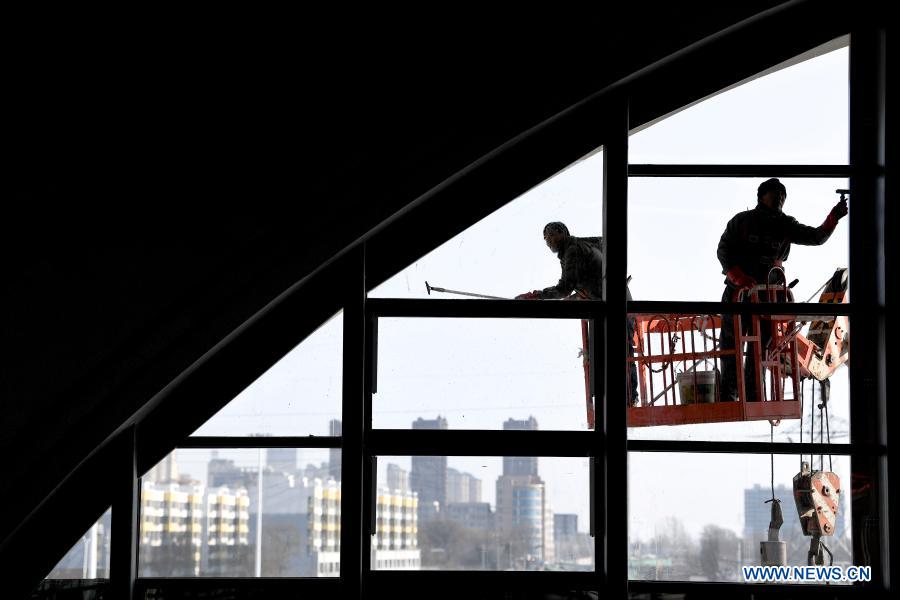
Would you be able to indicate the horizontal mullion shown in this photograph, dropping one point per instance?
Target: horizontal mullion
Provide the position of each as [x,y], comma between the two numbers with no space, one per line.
[269,584]
[534,309]
[309,441]
[484,581]
[441,442]
[744,590]
[754,447]
[742,170]
[812,309]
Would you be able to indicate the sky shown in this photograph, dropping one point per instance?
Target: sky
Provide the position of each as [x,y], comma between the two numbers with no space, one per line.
[479,372]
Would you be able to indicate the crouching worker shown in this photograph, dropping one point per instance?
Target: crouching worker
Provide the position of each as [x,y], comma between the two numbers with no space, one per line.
[581,278]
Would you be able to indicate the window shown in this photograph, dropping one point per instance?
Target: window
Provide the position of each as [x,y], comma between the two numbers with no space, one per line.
[708,522]
[89,556]
[482,513]
[796,114]
[504,254]
[475,443]
[675,225]
[477,373]
[298,395]
[201,516]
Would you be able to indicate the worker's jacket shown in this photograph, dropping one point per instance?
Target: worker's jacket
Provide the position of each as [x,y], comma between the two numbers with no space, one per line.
[581,261]
[759,239]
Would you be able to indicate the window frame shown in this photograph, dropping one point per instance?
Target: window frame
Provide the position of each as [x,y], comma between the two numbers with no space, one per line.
[607,446]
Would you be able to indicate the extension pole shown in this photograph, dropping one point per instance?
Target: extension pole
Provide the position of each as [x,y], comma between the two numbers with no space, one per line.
[446,291]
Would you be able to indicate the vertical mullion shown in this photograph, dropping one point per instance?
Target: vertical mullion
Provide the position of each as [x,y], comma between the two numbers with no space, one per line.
[352,475]
[124,518]
[615,224]
[868,404]
[370,478]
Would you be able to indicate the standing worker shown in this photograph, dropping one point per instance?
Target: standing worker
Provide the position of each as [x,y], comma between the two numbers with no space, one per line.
[753,242]
[581,263]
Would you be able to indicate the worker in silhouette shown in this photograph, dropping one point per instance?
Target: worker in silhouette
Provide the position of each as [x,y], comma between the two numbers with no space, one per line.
[581,261]
[753,242]
[581,264]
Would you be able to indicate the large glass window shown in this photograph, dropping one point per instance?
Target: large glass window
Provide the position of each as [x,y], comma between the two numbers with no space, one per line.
[675,226]
[482,513]
[504,254]
[696,511]
[248,512]
[794,115]
[89,557]
[476,373]
[298,396]
[701,517]
[682,376]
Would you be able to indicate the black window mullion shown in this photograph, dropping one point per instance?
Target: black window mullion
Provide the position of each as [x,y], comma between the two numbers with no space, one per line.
[799,309]
[124,518]
[487,309]
[353,427]
[216,442]
[615,234]
[736,171]
[867,228]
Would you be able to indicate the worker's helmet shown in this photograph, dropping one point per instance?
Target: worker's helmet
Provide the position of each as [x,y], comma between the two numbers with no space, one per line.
[556,227]
[770,185]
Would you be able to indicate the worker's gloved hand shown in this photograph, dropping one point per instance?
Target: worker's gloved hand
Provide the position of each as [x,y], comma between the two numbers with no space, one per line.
[837,213]
[737,276]
[535,295]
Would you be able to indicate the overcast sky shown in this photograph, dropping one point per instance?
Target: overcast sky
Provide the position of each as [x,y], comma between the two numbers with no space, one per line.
[478,373]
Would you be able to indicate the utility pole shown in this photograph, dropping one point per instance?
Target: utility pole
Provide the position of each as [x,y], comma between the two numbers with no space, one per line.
[257,568]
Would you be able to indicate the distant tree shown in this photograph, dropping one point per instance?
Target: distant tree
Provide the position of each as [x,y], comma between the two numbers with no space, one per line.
[673,542]
[447,544]
[709,552]
[719,552]
[281,549]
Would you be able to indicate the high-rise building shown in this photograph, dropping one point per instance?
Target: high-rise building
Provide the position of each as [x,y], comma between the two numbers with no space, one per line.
[226,547]
[565,525]
[524,519]
[565,537]
[171,529]
[398,478]
[165,471]
[474,490]
[335,429]
[395,545]
[520,465]
[282,459]
[223,472]
[462,487]
[428,477]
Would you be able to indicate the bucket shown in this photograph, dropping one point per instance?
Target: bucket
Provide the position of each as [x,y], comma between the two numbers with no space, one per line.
[696,386]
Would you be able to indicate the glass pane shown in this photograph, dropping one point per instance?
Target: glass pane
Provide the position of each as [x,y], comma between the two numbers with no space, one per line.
[675,226]
[709,521]
[477,373]
[795,115]
[504,254]
[200,514]
[685,373]
[298,395]
[89,557]
[483,513]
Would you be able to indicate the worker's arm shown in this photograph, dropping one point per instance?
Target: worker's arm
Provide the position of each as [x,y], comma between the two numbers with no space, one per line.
[569,276]
[815,236]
